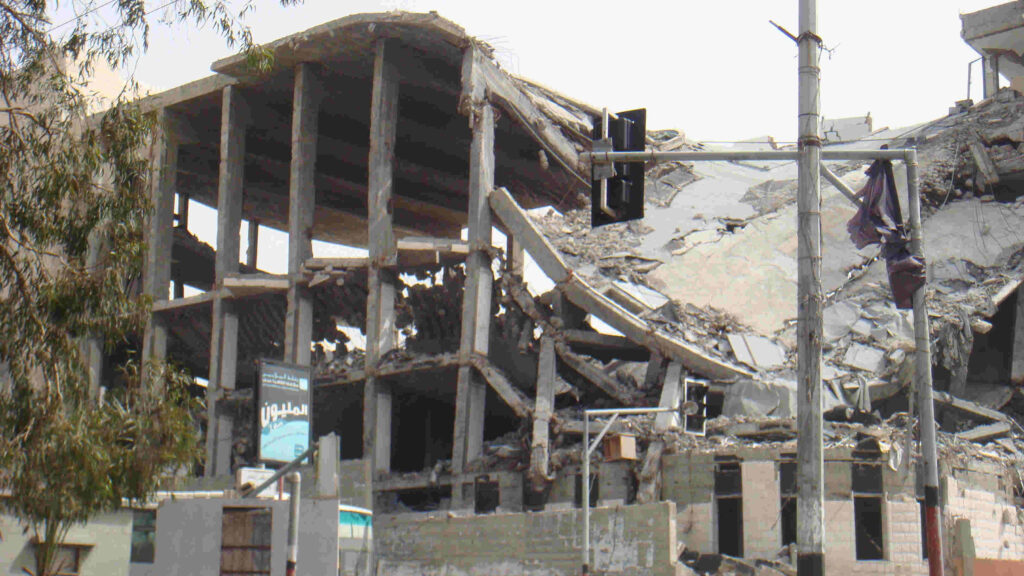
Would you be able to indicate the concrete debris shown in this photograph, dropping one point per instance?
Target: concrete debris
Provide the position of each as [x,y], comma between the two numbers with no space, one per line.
[845,129]
[756,398]
[865,358]
[757,351]
[839,318]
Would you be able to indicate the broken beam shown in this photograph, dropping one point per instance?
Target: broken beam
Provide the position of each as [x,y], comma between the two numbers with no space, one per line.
[584,296]
[605,382]
[502,386]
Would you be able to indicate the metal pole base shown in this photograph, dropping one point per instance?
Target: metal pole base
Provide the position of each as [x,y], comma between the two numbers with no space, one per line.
[933,540]
[812,564]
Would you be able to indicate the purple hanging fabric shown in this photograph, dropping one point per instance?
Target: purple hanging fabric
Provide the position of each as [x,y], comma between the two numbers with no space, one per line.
[879,220]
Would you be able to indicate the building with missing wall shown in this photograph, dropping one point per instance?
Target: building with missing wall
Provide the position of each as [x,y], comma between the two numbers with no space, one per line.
[492,315]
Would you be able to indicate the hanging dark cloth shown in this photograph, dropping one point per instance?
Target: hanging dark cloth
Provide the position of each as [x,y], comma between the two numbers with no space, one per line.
[879,220]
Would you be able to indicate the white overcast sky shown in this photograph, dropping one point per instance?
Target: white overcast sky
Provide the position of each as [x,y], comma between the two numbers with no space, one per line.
[716,70]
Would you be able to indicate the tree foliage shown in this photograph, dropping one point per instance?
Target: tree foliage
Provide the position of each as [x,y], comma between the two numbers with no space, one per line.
[73,203]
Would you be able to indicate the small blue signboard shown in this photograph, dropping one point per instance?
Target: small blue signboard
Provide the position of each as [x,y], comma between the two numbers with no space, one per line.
[284,411]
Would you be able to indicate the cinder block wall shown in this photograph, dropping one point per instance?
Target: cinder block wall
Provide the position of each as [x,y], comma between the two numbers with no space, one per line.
[996,523]
[635,540]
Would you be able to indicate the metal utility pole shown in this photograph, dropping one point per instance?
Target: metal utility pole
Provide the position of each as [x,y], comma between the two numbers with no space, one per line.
[810,464]
[295,481]
[923,375]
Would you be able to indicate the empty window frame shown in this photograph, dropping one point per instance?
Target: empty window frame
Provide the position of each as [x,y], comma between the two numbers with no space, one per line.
[787,501]
[868,507]
[67,559]
[245,541]
[729,508]
[143,536]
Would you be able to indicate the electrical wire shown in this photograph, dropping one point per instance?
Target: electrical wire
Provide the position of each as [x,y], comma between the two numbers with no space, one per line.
[82,15]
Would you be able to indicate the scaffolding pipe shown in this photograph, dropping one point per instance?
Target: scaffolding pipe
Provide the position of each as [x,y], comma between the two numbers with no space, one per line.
[738,155]
[923,373]
[810,463]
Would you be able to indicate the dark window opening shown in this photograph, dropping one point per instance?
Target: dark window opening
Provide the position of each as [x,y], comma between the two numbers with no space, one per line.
[533,500]
[992,353]
[787,505]
[728,479]
[425,500]
[578,497]
[245,541]
[787,521]
[423,430]
[730,527]
[715,403]
[143,536]
[867,513]
[486,495]
[339,409]
[867,477]
[729,508]
[500,419]
[867,482]
[697,393]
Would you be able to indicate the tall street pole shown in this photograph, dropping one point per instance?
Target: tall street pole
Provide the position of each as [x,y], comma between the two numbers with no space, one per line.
[810,485]
[923,375]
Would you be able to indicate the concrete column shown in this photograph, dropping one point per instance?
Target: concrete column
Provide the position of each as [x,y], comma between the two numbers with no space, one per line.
[990,74]
[543,410]
[1017,366]
[301,203]
[160,232]
[380,302]
[476,303]
[224,334]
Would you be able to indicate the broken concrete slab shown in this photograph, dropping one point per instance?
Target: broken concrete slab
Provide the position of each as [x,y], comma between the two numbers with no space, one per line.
[983,234]
[985,432]
[757,351]
[838,319]
[751,273]
[755,398]
[865,358]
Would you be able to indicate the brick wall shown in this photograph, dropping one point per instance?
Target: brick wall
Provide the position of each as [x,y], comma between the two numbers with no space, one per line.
[635,540]
[995,523]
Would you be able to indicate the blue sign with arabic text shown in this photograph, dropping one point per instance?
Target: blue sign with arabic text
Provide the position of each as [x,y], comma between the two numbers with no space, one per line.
[284,414]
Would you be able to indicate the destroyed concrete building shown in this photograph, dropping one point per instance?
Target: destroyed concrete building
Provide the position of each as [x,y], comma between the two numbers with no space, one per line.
[460,420]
